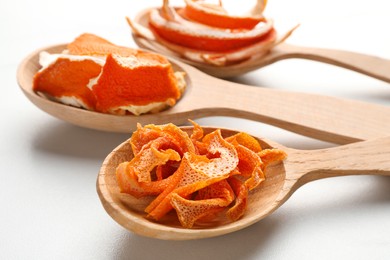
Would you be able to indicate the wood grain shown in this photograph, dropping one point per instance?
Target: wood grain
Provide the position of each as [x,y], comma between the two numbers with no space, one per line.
[283,178]
[322,117]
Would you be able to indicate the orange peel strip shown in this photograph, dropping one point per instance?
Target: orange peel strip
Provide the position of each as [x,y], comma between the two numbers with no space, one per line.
[178,136]
[250,165]
[90,44]
[142,136]
[216,16]
[246,140]
[175,138]
[196,136]
[128,182]
[197,132]
[149,158]
[188,211]
[205,39]
[271,155]
[256,50]
[241,202]
[209,200]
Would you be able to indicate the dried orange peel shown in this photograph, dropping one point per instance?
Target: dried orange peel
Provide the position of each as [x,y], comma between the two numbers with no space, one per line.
[207,33]
[216,15]
[97,75]
[198,176]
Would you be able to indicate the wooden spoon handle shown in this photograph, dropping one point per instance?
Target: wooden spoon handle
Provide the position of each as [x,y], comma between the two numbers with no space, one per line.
[322,117]
[372,66]
[367,157]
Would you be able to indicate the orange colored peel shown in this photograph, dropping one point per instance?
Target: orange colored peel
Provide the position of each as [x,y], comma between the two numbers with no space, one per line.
[209,200]
[90,44]
[202,38]
[68,78]
[216,16]
[199,176]
[97,75]
[138,80]
[206,33]
[241,202]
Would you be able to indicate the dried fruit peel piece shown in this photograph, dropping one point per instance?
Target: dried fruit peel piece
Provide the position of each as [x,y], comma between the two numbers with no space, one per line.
[208,201]
[135,80]
[189,211]
[241,202]
[128,182]
[216,16]
[68,78]
[176,134]
[271,155]
[142,136]
[226,161]
[149,158]
[250,166]
[92,45]
[246,140]
[153,146]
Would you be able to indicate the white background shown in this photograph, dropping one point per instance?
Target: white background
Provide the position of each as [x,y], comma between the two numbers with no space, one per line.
[49,208]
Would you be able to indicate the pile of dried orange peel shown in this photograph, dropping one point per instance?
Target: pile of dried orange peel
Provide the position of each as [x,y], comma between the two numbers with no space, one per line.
[206,33]
[200,176]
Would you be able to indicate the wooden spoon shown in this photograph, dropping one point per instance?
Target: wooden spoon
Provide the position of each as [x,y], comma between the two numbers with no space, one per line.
[322,117]
[372,66]
[368,157]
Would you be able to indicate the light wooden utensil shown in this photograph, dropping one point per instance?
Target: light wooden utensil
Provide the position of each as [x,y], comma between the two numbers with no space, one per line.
[372,66]
[282,180]
[321,117]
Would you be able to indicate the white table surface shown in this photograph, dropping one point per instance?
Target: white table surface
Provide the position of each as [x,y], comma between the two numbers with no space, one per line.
[48,200]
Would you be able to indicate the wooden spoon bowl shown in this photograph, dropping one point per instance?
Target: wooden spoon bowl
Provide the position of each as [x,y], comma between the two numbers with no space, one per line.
[372,66]
[325,118]
[282,179]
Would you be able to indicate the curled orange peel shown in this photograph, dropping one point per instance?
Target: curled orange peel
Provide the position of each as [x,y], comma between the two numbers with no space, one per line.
[92,45]
[250,167]
[217,16]
[238,209]
[270,155]
[149,158]
[198,175]
[202,38]
[209,200]
[207,33]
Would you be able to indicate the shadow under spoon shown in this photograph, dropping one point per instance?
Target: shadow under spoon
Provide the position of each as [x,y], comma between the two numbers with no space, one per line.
[283,178]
